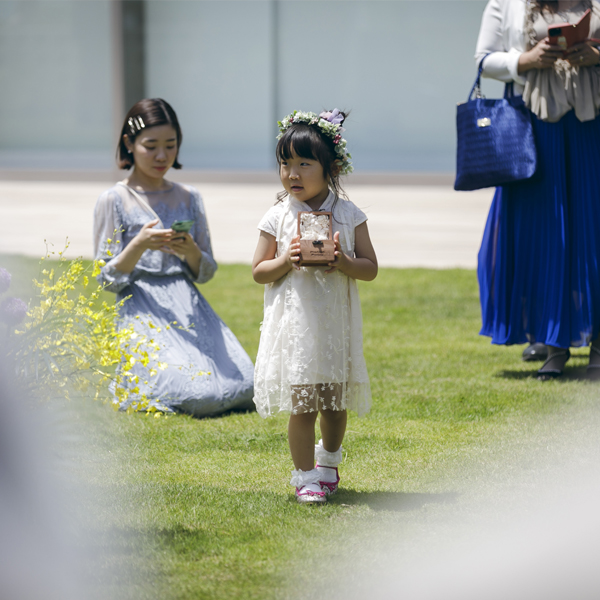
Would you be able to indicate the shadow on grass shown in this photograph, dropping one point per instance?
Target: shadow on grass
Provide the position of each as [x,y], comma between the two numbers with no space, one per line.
[569,374]
[232,411]
[575,370]
[392,501]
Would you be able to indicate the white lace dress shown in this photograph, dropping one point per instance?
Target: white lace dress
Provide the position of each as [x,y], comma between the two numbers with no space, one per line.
[310,355]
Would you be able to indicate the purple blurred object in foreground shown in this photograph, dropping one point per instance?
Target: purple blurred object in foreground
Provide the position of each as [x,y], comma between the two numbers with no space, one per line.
[5,278]
[12,310]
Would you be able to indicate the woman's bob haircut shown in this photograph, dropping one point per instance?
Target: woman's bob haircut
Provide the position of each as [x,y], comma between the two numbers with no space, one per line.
[144,114]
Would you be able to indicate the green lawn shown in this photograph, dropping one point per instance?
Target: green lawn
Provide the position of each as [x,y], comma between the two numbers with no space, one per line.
[202,508]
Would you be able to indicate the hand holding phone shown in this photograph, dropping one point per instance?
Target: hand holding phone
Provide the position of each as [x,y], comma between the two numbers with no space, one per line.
[181,227]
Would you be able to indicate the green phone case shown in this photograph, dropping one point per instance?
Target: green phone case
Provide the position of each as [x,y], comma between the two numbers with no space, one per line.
[182,226]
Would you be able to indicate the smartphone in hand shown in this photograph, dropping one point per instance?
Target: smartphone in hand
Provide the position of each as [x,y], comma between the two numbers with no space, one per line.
[566,35]
[181,227]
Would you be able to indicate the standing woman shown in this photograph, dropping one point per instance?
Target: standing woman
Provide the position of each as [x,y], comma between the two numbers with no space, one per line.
[539,263]
[157,268]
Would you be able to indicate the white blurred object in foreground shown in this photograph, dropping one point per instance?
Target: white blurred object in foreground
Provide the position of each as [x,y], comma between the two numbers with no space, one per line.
[532,534]
[37,554]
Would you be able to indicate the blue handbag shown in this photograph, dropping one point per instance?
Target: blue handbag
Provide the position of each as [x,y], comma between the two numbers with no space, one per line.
[495,142]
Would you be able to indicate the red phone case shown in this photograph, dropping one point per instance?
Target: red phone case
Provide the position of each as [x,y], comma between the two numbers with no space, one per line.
[567,34]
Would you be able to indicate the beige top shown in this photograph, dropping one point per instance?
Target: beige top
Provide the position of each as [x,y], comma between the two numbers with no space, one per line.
[551,93]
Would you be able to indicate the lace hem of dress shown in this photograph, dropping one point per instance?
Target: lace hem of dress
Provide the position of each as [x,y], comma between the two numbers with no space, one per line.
[300,399]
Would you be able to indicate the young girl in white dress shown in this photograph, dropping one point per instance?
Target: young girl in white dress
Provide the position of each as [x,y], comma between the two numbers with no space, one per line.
[310,359]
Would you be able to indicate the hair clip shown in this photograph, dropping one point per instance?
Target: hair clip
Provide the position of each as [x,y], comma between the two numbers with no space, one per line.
[136,124]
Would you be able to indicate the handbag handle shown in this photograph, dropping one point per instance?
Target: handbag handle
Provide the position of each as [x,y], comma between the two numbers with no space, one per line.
[476,89]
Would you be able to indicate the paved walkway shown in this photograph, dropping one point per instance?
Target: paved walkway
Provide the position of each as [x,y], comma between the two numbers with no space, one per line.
[425,226]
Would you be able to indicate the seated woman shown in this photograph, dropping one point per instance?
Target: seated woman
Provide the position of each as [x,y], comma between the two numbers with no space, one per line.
[157,267]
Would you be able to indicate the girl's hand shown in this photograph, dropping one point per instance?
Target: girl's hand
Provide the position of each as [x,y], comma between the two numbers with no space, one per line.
[341,260]
[152,239]
[293,253]
[583,54]
[267,266]
[183,243]
[542,56]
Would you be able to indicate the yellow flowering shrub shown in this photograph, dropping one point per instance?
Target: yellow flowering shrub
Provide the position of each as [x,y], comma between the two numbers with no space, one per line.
[70,341]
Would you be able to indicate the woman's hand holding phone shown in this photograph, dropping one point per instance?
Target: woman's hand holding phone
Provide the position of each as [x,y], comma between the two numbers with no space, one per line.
[583,54]
[153,239]
[148,238]
[542,56]
[183,243]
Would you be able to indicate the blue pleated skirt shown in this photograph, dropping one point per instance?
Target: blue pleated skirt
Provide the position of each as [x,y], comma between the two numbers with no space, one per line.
[539,262]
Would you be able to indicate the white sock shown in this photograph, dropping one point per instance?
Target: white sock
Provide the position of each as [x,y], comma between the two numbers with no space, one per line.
[325,458]
[302,478]
[327,461]
[311,487]
[328,474]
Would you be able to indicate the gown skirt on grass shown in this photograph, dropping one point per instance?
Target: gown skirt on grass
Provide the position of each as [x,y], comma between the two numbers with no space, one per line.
[164,305]
[539,262]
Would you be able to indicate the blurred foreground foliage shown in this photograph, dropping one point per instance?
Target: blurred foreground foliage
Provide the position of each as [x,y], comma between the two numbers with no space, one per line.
[68,341]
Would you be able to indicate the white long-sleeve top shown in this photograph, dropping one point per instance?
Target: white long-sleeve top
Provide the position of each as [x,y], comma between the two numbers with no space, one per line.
[548,93]
[502,33]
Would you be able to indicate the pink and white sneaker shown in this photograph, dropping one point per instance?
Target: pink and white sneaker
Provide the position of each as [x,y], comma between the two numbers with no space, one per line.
[308,489]
[329,480]
[311,494]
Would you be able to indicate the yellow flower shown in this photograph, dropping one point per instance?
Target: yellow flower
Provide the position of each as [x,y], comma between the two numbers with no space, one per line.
[73,342]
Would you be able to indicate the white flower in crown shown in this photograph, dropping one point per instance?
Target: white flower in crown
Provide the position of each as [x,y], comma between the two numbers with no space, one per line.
[330,124]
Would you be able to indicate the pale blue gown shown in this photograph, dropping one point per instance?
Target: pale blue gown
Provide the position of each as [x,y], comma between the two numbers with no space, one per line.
[161,291]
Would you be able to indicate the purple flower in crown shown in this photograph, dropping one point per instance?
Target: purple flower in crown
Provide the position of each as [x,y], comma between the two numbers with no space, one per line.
[335,116]
[5,278]
[13,311]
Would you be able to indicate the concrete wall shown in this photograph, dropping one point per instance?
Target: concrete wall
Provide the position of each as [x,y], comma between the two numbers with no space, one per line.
[55,84]
[211,61]
[231,68]
[399,66]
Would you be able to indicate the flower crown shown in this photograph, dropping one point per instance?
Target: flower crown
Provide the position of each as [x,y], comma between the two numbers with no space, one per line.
[329,124]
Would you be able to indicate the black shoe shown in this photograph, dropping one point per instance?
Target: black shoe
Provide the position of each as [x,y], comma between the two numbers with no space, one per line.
[593,369]
[535,352]
[554,365]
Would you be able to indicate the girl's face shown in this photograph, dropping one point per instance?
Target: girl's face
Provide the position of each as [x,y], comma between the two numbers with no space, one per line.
[154,151]
[304,180]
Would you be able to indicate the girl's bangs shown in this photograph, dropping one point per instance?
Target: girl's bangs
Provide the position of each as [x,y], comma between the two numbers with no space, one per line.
[300,141]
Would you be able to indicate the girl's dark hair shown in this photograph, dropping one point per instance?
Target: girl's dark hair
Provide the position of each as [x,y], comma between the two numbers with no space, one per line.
[153,112]
[307,141]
